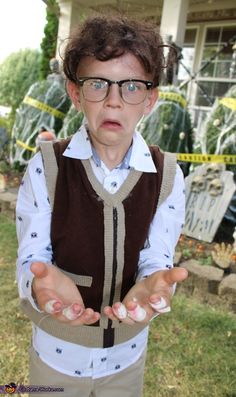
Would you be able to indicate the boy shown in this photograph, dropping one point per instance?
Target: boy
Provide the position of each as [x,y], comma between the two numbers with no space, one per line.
[117,216]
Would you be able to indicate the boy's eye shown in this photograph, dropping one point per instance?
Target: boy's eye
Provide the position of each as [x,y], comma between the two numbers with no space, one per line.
[98,85]
[131,87]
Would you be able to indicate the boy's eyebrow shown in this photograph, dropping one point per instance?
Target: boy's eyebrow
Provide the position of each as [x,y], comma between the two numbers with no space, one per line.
[107,78]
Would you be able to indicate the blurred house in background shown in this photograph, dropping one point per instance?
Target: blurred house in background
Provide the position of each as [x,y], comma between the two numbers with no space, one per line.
[205,30]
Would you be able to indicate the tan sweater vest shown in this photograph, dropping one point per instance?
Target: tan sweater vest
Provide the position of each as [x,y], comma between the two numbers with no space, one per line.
[97,237]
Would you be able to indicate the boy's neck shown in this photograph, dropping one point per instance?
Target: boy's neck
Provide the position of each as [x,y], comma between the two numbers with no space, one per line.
[111,156]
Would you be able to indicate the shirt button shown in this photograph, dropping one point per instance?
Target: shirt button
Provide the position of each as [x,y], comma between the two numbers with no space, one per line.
[113,187]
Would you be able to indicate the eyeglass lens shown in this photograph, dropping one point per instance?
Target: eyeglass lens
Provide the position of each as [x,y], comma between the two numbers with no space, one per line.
[132,92]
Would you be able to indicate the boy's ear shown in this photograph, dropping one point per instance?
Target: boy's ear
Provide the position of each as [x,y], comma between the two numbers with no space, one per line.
[73,92]
[151,100]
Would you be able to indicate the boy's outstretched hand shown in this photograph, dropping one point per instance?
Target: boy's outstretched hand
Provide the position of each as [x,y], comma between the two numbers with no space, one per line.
[147,298]
[56,294]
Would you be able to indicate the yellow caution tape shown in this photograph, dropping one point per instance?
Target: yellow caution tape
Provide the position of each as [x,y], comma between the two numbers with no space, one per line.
[207,158]
[25,146]
[186,157]
[44,107]
[173,96]
[229,103]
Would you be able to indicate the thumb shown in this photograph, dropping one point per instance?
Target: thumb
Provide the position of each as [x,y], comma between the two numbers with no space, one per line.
[175,275]
[39,269]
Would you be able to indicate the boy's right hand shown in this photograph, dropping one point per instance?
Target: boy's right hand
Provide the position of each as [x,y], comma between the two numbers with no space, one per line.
[58,295]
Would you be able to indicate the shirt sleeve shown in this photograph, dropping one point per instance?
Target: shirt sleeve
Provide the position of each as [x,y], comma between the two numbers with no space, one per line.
[33,219]
[164,232]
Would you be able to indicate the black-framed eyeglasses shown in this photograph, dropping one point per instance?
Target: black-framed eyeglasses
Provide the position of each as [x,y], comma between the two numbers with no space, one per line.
[132,91]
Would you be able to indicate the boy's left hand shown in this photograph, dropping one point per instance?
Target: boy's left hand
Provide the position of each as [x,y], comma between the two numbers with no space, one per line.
[147,298]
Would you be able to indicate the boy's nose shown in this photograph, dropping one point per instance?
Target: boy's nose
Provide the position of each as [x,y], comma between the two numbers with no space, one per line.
[114,96]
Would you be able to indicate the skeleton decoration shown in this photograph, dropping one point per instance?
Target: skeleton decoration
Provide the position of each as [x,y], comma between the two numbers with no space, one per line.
[209,180]
[213,171]
[198,184]
[216,187]
[209,189]
[222,255]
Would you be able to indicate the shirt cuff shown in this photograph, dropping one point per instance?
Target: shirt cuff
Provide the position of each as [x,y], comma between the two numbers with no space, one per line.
[25,289]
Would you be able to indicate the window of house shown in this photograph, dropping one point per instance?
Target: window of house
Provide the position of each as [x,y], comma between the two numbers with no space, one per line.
[217,40]
[214,77]
[186,63]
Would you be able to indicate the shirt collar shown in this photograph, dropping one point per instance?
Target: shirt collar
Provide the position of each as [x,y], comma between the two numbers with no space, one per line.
[138,156]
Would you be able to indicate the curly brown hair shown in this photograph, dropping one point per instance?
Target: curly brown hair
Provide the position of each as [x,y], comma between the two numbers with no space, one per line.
[106,38]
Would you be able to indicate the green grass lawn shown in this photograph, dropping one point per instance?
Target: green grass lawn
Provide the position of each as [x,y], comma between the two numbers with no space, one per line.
[191,352]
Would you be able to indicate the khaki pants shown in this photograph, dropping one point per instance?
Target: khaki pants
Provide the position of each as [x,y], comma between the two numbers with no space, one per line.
[127,383]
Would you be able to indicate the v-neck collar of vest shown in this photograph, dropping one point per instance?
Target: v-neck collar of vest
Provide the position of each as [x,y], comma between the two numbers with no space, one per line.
[121,194]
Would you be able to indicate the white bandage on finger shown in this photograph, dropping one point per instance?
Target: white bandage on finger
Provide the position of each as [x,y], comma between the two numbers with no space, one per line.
[70,314]
[137,314]
[49,306]
[121,312]
[161,306]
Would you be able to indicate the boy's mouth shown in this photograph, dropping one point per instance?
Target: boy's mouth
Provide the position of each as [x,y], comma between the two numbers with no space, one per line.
[111,124]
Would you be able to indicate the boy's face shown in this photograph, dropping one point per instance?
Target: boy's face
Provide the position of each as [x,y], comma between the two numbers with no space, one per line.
[112,121]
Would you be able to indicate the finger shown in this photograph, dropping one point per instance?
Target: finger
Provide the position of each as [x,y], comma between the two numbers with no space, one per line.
[138,314]
[53,306]
[48,301]
[119,310]
[68,316]
[175,275]
[73,311]
[160,305]
[39,269]
[87,317]
[108,311]
[113,312]
[96,316]
[135,312]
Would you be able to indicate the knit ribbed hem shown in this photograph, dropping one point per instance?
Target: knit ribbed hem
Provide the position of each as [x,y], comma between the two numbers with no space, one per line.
[84,335]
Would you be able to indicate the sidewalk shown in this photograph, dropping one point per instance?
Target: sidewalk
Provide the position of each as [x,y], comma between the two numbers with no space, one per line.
[8,202]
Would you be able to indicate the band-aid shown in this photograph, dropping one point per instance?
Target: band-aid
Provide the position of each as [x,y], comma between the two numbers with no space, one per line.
[121,312]
[160,306]
[137,314]
[49,306]
[69,313]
